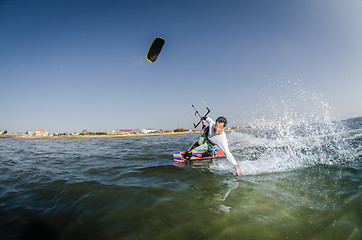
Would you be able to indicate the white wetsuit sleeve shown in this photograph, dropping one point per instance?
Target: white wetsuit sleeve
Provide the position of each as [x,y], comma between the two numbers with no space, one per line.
[224,146]
[210,121]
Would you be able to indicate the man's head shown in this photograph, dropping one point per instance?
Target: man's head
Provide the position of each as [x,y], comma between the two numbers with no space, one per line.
[220,125]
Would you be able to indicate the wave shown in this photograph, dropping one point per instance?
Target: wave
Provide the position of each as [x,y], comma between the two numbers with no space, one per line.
[299,134]
[291,147]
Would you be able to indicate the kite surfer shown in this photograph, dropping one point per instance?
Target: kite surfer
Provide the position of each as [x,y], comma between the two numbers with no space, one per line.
[214,136]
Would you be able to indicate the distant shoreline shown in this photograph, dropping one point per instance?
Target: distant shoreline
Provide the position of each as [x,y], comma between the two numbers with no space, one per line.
[99,136]
[106,136]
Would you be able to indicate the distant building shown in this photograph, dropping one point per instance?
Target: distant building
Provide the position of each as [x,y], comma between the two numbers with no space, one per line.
[41,132]
[125,131]
[147,130]
[121,131]
[111,132]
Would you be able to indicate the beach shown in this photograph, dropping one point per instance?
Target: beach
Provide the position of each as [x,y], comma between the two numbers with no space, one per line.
[99,136]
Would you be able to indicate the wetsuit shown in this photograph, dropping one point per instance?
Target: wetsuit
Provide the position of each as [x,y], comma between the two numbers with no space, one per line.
[220,140]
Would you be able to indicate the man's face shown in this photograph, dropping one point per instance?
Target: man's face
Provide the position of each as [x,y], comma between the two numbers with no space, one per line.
[219,127]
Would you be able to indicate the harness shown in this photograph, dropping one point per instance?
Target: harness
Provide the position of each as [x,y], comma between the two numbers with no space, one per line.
[206,132]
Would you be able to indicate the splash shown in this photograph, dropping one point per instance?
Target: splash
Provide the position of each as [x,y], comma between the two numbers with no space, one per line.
[297,131]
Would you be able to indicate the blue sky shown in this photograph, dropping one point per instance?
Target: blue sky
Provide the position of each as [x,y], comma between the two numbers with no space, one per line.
[74,65]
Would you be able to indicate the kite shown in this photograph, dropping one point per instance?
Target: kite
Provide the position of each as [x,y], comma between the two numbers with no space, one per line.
[155,49]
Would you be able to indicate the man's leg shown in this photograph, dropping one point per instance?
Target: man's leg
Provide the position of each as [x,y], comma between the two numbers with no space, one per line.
[201,141]
[210,149]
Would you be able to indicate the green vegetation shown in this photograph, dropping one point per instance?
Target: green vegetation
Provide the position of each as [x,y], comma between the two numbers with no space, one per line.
[180,130]
[92,133]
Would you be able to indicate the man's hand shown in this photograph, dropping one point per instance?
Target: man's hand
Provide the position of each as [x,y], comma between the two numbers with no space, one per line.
[238,171]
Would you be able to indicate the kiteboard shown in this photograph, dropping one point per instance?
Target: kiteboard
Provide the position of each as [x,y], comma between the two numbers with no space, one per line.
[178,156]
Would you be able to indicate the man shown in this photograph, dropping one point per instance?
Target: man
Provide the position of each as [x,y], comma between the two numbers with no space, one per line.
[213,136]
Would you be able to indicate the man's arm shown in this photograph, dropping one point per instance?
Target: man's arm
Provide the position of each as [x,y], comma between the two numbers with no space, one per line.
[209,120]
[238,171]
[225,147]
[231,159]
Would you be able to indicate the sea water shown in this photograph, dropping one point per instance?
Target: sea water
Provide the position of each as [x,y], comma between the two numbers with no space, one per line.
[302,181]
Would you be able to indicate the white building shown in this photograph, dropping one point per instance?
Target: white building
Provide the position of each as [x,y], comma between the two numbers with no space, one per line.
[41,132]
[147,130]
